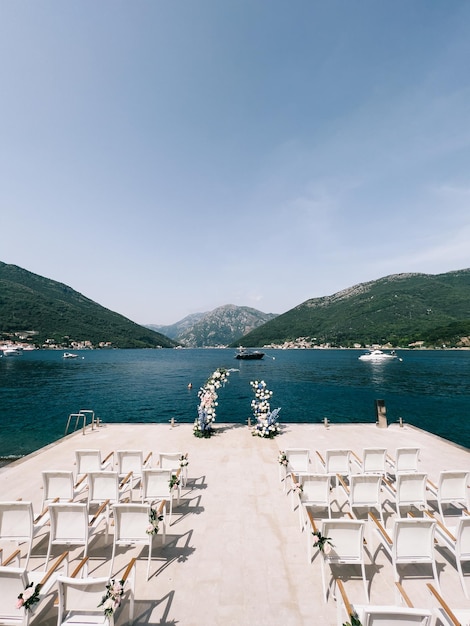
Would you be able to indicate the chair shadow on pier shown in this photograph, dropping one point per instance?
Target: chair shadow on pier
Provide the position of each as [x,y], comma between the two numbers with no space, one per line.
[144,610]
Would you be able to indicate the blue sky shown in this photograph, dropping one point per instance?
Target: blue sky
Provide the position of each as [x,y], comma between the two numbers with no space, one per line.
[168,157]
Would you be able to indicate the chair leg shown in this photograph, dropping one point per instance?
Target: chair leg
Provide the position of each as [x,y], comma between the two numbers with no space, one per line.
[366,589]
[462,580]
[325,591]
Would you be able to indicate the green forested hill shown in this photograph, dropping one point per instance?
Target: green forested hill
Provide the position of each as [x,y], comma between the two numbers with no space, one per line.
[52,310]
[399,309]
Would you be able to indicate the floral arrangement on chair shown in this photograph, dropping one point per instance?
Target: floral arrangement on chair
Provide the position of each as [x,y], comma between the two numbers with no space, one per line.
[154,518]
[184,461]
[29,597]
[208,402]
[322,543]
[282,459]
[174,481]
[355,621]
[112,597]
[267,425]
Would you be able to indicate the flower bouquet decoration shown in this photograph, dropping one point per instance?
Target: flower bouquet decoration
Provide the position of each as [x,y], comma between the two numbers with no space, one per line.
[184,461]
[112,597]
[267,425]
[282,459]
[29,597]
[208,402]
[154,519]
[174,481]
[322,543]
[355,621]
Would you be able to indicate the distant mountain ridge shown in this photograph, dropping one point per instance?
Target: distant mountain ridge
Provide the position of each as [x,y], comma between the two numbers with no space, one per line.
[38,309]
[219,327]
[400,309]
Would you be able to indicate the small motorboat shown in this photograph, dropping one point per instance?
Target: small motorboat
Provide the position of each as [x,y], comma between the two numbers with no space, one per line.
[70,355]
[249,355]
[12,350]
[378,355]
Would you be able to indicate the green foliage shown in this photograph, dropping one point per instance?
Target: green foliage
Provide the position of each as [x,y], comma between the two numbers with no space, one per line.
[46,309]
[397,309]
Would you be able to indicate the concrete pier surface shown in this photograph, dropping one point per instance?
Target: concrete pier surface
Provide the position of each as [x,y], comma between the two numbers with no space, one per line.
[234,553]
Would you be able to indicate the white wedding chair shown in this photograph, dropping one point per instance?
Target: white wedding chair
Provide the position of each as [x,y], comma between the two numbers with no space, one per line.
[364,491]
[412,542]
[133,461]
[156,487]
[298,463]
[13,582]
[457,541]
[371,615]
[406,460]
[374,461]
[452,488]
[106,488]
[131,525]
[410,491]
[71,525]
[446,615]
[80,599]
[347,539]
[313,490]
[90,461]
[58,485]
[336,463]
[174,461]
[18,525]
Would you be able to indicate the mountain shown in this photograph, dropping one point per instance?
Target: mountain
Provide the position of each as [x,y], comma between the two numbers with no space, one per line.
[40,310]
[219,327]
[175,330]
[400,310]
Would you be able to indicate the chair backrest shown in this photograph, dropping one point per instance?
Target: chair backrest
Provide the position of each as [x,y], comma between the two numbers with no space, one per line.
[169,460]
[374,460]
[463,539]
[453,486]
[88,461]
[82,596]
[69,522]
[364,489]
[16,520]
[411,488]
[13,581]
[131,522]
[298,460]
[103,486]
[315,488]
[337,462]
[130,461]
[413,539]
[156,483]
[395,616]
[346,539]
[406,459]
[57,484]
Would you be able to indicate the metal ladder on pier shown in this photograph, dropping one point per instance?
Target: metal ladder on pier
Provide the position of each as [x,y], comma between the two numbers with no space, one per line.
[83,416]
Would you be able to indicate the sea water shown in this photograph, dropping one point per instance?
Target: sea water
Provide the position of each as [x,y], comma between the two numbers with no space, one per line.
[38,390]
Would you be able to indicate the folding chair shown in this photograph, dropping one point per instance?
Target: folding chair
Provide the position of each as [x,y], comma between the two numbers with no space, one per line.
[17,524]
[412,542]
[133,461]
[80,599]
[406,460]
[72,526]
[58,485]
[131,528]
[105,488]
[363,491]
[313,491]
[347,538]
[175,461]
[457,541]
[452,488]
[336,463]
[445,614]
[371,615]
[90,461]
[156,487]
[410,491]
[13,582]
[374,461]
[298,463]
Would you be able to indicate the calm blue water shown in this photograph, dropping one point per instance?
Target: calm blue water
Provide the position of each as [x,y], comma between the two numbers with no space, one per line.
[39,389]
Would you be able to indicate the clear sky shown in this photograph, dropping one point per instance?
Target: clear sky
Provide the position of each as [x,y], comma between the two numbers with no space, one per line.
[166,157]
